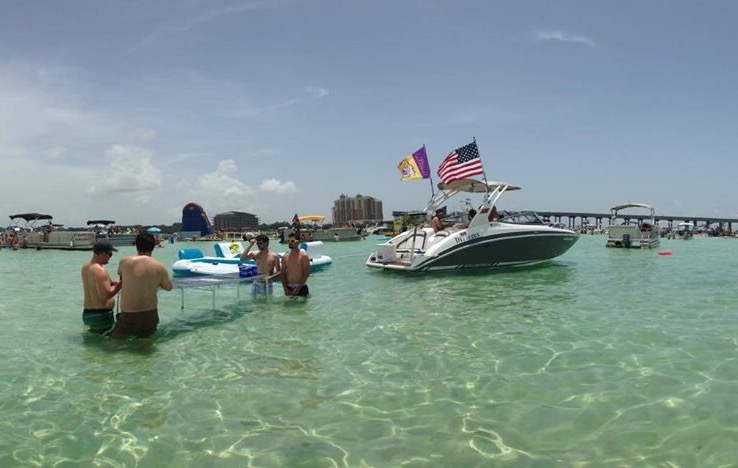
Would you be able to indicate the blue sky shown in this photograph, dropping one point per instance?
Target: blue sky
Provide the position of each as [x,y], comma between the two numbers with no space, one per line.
[130,110]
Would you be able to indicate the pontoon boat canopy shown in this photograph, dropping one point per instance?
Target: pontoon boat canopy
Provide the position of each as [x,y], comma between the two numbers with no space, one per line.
[631,205]
[100,221]
[31,216]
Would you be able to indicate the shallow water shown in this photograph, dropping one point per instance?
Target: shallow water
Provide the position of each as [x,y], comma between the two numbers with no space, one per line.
[603,357]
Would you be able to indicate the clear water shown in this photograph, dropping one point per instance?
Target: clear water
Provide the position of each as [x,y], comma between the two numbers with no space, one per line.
[602,358]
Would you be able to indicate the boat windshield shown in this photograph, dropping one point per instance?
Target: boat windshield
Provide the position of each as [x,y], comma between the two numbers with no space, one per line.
[521,217]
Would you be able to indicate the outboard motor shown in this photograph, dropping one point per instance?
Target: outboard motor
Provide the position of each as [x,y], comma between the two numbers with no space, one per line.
[626,241]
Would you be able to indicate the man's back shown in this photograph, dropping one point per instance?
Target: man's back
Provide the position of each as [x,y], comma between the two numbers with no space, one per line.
[142,275]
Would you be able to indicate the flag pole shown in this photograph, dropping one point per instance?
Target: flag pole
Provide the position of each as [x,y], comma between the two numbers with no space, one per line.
[430,175]
[484,172]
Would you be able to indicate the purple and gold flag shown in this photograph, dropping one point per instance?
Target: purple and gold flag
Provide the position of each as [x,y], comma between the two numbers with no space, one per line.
[415,166]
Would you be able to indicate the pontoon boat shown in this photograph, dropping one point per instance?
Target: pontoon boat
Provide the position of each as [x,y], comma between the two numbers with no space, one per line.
[635,231]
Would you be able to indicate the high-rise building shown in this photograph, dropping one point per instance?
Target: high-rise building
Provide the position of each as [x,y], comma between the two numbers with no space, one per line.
[359,209]
[235,221]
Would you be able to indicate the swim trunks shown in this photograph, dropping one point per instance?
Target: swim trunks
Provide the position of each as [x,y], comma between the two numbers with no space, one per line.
[138,324]
[99,320]
[304,291]
[260,288]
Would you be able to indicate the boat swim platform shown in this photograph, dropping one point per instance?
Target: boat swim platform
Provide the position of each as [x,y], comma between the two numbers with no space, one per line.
[209,283]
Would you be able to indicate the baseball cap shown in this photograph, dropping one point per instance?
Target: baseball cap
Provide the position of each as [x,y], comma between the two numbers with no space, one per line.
[103,247]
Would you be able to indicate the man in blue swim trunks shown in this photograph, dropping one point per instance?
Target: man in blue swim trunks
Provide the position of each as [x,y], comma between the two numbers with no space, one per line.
[99,289]
[267,264]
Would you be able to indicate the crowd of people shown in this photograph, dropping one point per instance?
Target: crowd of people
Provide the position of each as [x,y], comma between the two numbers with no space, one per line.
[141,276]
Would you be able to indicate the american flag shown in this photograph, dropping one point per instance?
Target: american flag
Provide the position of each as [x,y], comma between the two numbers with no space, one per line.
[461,163]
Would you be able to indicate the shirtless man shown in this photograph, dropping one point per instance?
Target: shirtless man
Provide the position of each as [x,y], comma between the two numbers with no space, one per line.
[267,264]
[295,269]
[99,289]
[142,276]
[437,222]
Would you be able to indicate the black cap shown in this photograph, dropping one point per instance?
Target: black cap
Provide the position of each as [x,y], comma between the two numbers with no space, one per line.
[103,247]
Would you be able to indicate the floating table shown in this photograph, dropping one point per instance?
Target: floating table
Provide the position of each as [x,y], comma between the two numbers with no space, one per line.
[209,283]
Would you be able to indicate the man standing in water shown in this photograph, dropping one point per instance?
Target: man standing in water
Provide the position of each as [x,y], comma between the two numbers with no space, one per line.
[99,289]
[267,264]
[142,276]
[295,269]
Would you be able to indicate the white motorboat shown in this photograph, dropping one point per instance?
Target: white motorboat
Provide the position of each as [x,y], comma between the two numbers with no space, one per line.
[227,260]
[685,230]
[641,234]
[515,239]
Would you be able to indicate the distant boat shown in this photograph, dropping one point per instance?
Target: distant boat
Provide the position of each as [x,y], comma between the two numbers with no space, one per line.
[48,236]
[685,230]
[316,232]
[641,235]
[103,231]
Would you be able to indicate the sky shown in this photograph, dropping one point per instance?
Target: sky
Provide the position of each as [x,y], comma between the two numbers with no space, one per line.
[130,110]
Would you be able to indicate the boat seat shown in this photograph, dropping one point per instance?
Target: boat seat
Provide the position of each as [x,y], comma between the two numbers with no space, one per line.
[190,254]
[228,249]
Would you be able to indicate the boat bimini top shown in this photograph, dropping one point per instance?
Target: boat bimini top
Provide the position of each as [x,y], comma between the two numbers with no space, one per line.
[492,189]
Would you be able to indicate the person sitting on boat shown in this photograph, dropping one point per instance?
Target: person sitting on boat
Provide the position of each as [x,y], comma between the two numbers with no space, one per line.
[472,213]
[267,264]
[437,221]
[99,289]
[493,214]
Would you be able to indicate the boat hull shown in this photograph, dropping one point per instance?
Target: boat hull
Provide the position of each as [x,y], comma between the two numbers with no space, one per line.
[632,237]
[500,248]
[328,235]
[118,239]
[61,240]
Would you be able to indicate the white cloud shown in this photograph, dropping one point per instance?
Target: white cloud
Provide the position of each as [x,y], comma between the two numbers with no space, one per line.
[276,186]
[221,190]
[560,36]
[131,170]
[143,134]
[186,24]
[246,110]
[54,154]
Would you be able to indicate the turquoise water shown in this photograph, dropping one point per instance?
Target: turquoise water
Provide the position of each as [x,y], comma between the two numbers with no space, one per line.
[602,358]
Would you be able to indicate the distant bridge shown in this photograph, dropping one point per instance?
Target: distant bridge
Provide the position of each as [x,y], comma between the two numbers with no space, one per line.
[572,217]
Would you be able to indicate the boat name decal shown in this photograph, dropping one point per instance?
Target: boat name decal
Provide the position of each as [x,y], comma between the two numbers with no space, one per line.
[464,238]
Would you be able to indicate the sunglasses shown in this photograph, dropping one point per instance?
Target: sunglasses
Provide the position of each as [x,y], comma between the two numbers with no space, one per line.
[293,241]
